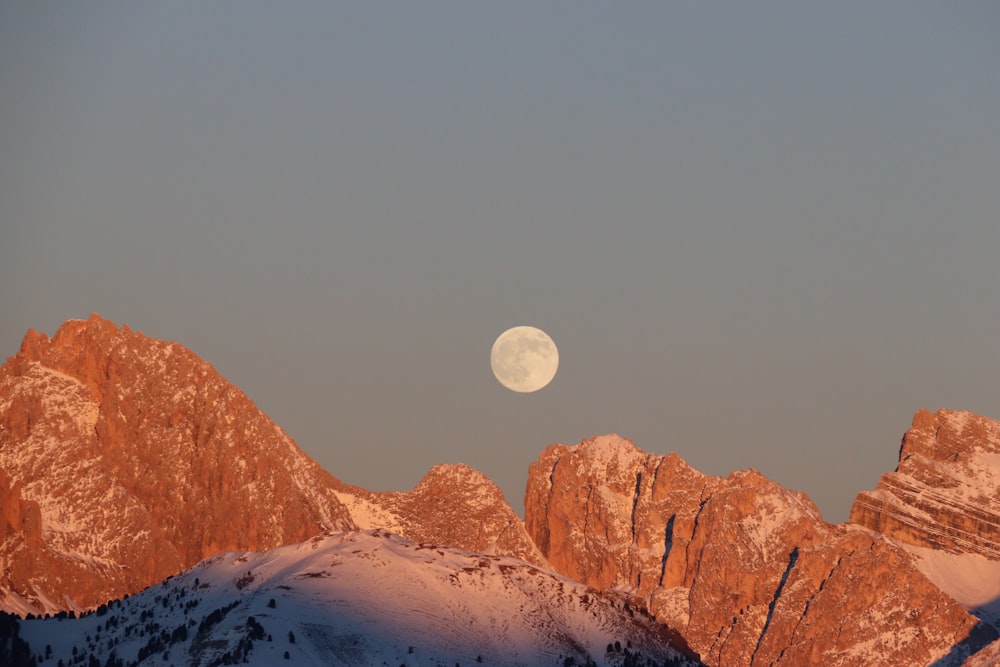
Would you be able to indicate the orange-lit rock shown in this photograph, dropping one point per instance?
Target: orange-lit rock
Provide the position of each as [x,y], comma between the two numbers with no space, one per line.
[746,570]
[945,492]
[453,505]
[132,458]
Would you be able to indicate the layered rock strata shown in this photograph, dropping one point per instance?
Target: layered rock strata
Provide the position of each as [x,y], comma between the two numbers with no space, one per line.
[945,491]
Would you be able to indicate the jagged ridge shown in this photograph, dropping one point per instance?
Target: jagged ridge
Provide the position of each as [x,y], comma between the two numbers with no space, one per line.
[108,438]
[745,569]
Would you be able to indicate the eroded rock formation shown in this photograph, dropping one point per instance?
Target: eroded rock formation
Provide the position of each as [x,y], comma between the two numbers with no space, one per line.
[745,569]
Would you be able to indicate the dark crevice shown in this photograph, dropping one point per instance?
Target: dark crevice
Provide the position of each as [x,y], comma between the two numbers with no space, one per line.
[792,559]
[805,609]
[635,500]
[668,544]
[694,532]
[544,541]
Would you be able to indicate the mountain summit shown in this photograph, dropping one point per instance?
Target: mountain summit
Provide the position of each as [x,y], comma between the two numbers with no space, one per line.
[454,505]
[945,492]
[134,459]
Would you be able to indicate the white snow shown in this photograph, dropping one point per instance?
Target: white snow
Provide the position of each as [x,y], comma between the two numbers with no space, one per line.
[980,477]
[972,580]
[774,514]
[368,515]
[360,598]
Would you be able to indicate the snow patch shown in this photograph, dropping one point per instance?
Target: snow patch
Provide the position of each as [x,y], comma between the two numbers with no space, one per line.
[972,580]
[368,515]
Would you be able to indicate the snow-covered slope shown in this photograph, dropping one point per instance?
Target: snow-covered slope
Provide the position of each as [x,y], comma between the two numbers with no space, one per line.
[360,598]
[971,579]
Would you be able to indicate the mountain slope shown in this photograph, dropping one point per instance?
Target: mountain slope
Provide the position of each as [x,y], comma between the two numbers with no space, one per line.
[746,570]
[453,505]
[361,598]
[128,459]
[942,504]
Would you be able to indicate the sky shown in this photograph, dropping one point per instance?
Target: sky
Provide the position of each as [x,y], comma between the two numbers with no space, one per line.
[761,234]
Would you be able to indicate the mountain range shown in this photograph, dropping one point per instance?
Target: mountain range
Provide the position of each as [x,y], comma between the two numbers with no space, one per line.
[137,484]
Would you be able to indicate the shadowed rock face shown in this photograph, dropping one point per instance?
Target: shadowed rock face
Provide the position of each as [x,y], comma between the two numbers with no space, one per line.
[745,569]
[945,492]
[987,657]
[126,459]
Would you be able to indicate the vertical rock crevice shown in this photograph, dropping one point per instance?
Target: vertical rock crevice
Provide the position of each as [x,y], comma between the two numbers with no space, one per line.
[793,557]
[740,565]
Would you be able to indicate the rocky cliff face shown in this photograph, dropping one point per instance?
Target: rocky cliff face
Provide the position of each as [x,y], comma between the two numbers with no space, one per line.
[945,492]
[745,569]
[126,459]
[453,505]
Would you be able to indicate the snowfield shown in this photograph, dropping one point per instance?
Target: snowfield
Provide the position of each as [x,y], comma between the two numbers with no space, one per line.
[361,598]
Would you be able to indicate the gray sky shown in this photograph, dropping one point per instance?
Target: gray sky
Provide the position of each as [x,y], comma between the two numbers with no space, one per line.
[761,234]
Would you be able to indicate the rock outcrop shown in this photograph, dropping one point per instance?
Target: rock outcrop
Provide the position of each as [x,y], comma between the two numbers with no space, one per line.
[745,569]
[945,492]
[453,505]
[126,459]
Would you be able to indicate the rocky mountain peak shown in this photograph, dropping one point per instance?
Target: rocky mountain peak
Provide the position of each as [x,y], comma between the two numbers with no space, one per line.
[949,435]
[945,491]
[141,460]
[81,348]
[453,505]
[609,448]
[455,477]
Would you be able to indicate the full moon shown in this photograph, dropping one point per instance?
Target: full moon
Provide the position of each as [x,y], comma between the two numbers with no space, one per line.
[524,359]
